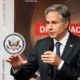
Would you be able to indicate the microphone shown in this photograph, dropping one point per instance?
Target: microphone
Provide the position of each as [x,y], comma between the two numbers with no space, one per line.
[50,47]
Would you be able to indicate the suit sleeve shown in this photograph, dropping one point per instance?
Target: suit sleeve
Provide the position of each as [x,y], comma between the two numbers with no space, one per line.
[72,71]
[28,70]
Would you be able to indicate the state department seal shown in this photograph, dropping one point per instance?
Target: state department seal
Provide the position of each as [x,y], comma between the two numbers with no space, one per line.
[14,43]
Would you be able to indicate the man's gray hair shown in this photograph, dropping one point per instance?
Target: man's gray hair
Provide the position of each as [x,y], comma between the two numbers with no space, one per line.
[61,9]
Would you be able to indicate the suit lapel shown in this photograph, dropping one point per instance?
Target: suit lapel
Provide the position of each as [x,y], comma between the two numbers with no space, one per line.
[69,47]
[67,51]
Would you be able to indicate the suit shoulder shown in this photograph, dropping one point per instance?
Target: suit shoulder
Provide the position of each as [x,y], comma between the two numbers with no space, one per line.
[74,37]
[46,40]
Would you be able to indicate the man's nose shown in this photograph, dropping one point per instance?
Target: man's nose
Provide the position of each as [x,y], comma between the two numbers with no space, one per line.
[50,26]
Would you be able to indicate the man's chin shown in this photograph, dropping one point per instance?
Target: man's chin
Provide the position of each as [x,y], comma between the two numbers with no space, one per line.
[52,37]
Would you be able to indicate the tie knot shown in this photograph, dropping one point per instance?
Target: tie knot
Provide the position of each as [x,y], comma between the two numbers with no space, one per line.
[58,44]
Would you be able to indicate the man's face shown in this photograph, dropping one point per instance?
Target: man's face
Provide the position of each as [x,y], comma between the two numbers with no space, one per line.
[55,26]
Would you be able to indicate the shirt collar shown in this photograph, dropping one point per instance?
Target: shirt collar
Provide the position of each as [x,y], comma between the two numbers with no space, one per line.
[63,41]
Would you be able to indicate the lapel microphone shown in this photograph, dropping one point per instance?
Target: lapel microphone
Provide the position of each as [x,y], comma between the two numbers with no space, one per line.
[50,48]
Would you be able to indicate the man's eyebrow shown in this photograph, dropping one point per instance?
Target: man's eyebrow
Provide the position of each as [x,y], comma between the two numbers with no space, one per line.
[50,22]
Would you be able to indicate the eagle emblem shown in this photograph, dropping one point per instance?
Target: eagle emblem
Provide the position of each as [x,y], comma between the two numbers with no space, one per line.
[14,43]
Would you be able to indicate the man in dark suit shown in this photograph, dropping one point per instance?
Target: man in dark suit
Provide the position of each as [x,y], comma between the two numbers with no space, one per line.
[55,62]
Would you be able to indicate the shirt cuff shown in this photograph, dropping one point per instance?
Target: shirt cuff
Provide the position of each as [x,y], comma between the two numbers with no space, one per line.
[15,71]
[60,65]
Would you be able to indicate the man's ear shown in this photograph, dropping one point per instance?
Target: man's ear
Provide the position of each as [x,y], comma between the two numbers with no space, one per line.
[66,24]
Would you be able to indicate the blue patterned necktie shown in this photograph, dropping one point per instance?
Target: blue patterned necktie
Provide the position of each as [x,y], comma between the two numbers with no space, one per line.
[57,45]
[58,48]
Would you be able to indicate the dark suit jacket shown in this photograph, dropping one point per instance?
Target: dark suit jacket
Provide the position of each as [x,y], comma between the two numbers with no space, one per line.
[70,69]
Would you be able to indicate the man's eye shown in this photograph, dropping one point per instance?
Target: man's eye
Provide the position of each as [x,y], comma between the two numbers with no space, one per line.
[53,22]
[47,22]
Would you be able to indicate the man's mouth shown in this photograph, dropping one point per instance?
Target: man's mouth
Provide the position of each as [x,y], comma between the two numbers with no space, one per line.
[51,33]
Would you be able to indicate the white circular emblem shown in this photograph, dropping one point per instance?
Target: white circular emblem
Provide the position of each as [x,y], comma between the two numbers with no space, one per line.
[14,43]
